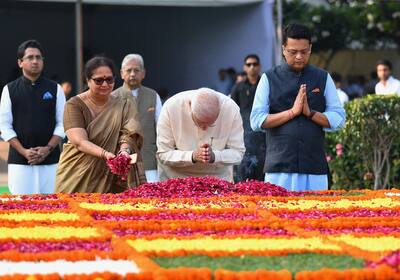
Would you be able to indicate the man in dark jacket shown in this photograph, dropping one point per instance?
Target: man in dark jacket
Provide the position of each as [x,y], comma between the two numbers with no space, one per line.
[295,104]
[31,120]
[243,93]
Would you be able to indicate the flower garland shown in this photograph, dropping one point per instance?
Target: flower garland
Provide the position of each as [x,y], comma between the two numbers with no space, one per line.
[203,216]
[392,260]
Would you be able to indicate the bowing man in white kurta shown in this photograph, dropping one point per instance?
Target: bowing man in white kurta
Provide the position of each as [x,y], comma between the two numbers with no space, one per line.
[199,133]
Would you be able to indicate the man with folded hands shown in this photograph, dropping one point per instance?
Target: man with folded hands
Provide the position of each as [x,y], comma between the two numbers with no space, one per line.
[199,133]
[295,103]
[31,120]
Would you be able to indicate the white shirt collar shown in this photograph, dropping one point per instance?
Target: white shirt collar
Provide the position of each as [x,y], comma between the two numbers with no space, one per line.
[135,92]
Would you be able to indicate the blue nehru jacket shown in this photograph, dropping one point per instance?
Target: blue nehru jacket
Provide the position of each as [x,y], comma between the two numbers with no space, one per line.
[295,156]
[298,145]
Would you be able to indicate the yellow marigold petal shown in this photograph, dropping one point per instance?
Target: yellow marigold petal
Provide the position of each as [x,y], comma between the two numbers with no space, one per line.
[43,232]
[30,216]
[150,206]
[115,207]
[375,244]
[342,203]
[231,245]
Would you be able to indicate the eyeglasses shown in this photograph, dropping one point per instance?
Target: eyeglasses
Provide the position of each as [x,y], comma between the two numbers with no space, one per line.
[33,57]
[100,81]
[254,64]
[295,52]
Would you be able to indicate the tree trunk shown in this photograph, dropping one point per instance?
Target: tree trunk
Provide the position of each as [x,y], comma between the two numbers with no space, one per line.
[387,176]
[377,180]
[375,169]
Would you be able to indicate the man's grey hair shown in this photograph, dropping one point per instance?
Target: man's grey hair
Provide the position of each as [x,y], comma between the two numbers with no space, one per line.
[132,56]
[205,104]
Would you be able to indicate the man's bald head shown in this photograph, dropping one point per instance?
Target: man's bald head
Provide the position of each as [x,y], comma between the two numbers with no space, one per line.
[205,107]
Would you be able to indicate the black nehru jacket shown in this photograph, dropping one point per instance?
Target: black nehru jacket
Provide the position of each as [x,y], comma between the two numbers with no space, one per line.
[33,108]
[297,146]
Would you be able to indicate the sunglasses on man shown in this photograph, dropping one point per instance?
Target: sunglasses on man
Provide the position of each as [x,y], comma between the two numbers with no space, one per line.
[254,64]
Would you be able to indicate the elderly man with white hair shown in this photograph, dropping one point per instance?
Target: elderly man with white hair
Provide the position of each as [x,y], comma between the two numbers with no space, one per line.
[149,108]
[200,132]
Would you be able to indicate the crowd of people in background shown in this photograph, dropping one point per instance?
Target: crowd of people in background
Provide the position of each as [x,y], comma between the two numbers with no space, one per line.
[380,81]
[253,125]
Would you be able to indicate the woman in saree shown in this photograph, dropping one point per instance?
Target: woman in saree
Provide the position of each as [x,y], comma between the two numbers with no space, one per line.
[99,126]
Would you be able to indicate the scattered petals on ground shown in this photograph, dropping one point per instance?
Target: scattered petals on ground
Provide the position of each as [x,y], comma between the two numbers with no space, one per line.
[57,235]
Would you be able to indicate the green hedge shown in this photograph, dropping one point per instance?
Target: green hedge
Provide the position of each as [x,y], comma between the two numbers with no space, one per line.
[366,152]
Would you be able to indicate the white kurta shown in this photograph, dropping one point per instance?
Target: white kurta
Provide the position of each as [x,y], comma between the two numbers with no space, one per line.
[178,137]
[30,179]
[152,176]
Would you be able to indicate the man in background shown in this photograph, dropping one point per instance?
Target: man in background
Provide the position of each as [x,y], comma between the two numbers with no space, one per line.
[337,79]
[67,88]
[243,93]
[387,84]
[149,107]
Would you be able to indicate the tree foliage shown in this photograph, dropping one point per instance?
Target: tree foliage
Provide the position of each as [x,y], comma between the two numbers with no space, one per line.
[370,143]
[377,21]
[347,24]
